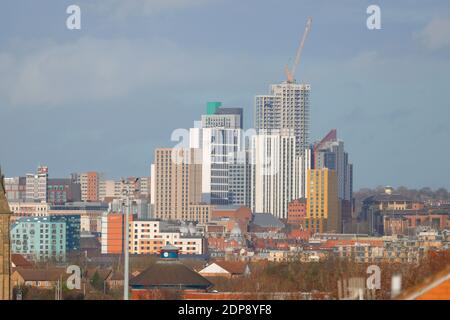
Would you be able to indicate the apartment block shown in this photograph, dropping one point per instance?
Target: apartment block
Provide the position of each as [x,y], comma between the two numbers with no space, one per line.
[90,186]
[148,236]
[36,185]
[15,189]
[323,205]
[39,238]
[177,182]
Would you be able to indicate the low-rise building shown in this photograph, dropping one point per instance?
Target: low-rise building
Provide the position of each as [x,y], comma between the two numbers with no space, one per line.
[39,239]
[29,209]
[149,236]
[168,278]
[46,238]
[90,214]
[39,278]
[227,269]
[297,212]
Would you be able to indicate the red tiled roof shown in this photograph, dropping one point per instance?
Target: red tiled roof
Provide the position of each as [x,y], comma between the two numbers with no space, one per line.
[53,274]
[19,261]
[166,274]
[337,243]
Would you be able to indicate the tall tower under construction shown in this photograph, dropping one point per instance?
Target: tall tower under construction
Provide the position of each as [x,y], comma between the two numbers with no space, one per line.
[286,111]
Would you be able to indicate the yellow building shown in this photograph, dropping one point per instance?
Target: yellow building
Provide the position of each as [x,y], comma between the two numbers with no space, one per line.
[323,209]
[5,256]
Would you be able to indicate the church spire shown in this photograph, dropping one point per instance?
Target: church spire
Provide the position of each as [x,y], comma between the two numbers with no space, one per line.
[5,250]
[4,207]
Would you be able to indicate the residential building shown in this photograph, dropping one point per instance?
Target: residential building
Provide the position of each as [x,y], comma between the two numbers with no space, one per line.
[376,207]
[140,207]
[240,180]
[109,189]
[323,206]
[149,236]
[29,209]
[90,186]
[36,185]
[19,261]
[222,117]
[73,230]
[329,153]
[112,233]
[219,136]
[39,238]
[177,180]
[276,176]
[286,108]
[60,191]
[297,212]
[144,187]
[90,214]
[402,222]
[233,214]
[199,213]
[15,189]
[266,117]
[38,278]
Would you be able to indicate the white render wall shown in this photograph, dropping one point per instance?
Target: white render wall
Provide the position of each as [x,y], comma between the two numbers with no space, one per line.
[277,179]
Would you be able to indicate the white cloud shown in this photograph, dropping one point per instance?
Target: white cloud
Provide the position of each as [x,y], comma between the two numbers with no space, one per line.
[436,34]
[89,70]
[120,9]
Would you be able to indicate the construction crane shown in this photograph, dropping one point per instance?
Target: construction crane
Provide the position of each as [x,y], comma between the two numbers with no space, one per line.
[290,73]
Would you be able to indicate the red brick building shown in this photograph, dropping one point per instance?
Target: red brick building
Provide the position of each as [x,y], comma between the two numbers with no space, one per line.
[296,217]
[296,212]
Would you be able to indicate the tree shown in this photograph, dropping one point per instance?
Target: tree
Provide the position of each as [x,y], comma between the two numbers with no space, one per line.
[97,281]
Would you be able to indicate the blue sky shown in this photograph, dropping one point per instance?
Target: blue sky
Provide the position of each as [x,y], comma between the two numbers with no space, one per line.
[102,98]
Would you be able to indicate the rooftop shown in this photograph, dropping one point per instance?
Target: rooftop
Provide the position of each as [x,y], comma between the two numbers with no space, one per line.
[170,274]
[266,220]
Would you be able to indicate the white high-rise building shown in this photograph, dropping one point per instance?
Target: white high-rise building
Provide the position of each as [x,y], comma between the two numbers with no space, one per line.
[220,138]
[277,173]
[219,148]
[36,185]
[286,108]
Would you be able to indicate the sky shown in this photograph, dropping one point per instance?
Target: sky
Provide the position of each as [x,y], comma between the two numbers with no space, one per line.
[104,97]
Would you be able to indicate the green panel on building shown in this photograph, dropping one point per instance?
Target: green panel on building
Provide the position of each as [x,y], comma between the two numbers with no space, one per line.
[211,107]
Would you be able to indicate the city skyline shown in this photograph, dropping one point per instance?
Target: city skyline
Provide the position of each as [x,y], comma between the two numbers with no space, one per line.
[347,100]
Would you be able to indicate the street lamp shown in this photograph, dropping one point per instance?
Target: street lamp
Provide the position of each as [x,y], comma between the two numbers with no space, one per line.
[127,193]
